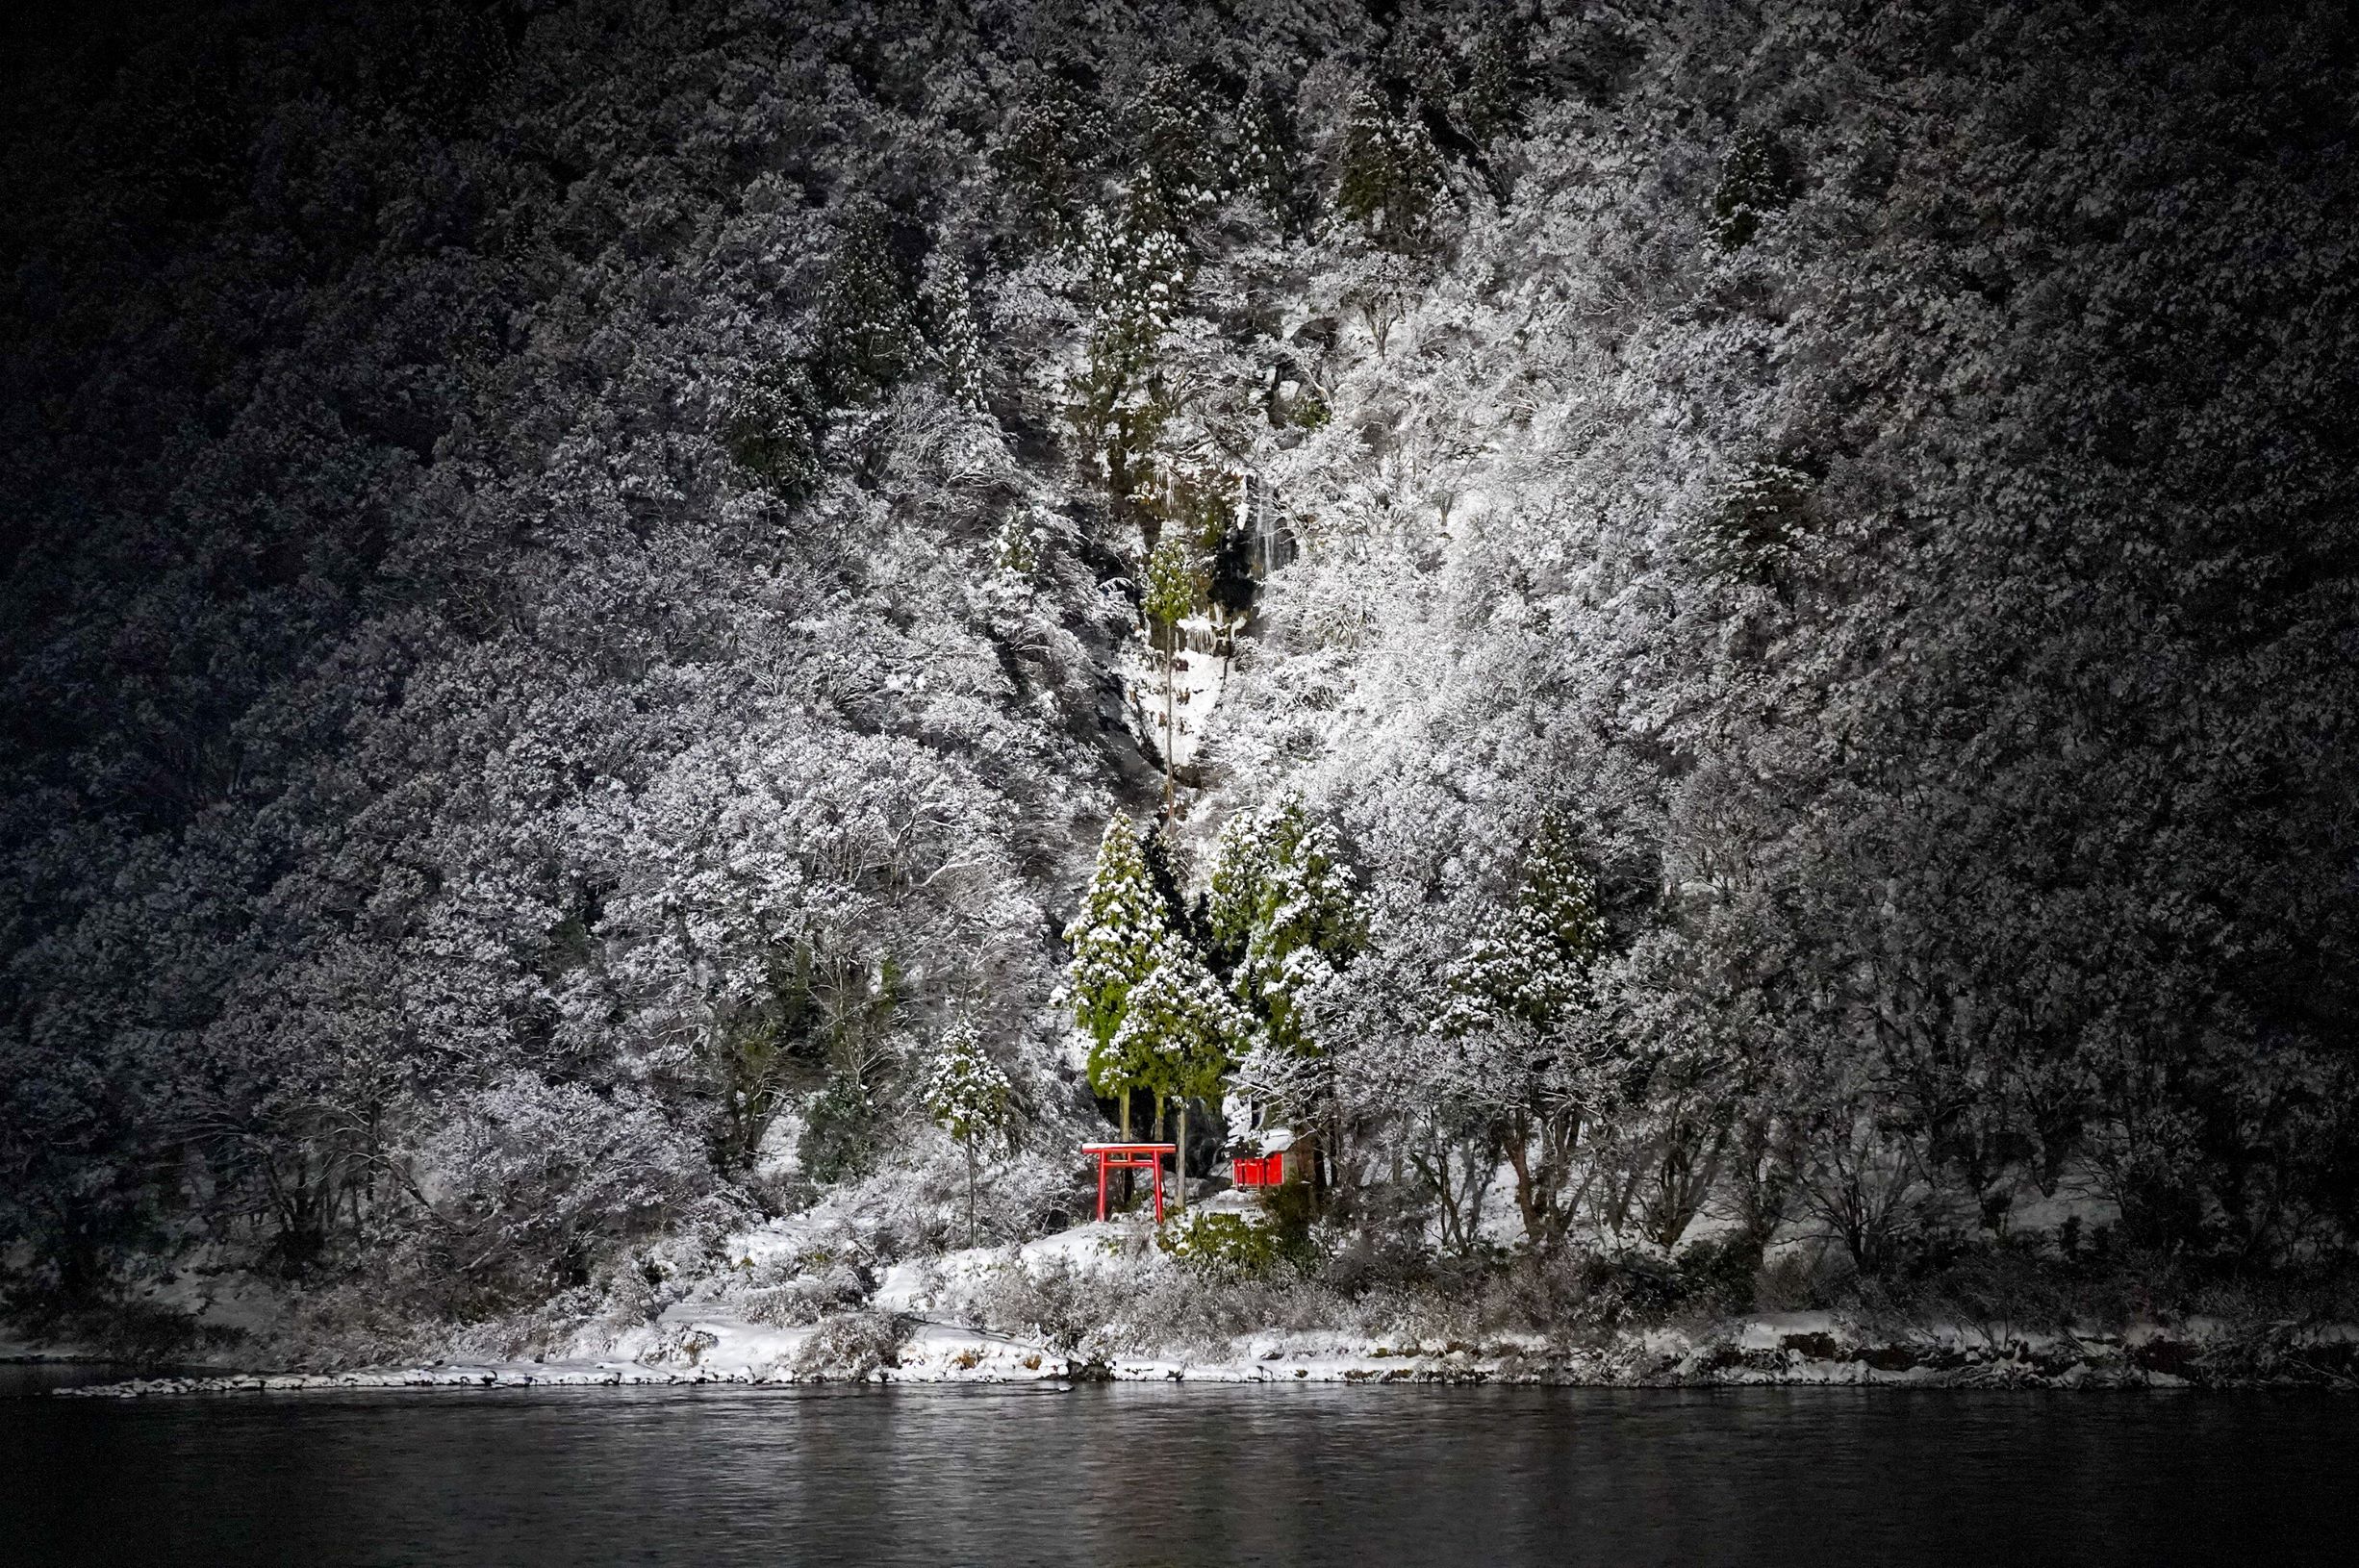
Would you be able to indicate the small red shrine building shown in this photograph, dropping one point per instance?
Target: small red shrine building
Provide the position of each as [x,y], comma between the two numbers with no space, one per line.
[1272,1157]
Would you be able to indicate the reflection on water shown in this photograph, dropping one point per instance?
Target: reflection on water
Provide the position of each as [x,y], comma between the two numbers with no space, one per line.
[20,1377]
[1195,1475]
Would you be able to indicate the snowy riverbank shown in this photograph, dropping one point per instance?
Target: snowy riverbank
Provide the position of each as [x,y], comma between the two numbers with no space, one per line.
[984,1315]
[1793,1349]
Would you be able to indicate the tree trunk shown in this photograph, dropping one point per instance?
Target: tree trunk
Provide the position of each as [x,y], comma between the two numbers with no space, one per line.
[1181,1159]
[969,1143]
[1171,657]
[1124,1196]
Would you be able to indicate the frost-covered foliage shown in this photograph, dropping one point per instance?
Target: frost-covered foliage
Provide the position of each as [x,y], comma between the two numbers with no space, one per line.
[516,726]
[1179,1029]
[1117,940]
[967,1095]
[576,592]
[1874,487]
[1282,917]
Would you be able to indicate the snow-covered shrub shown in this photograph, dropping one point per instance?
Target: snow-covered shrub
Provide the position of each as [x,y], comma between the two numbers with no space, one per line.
[532,1187]
[1230,1246]
[825,1290]
[1054,1301]
[849,1346]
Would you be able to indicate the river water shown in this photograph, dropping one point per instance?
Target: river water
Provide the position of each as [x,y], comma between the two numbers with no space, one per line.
[1189,1475]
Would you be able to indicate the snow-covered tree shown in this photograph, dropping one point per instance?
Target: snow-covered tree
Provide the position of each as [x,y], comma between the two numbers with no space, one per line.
[969,1097]
[1757,180]
[1284,913]
[1492,101]
[1173,125]
[1513,1002]
[1264,157]
[1134,278]
[1536,966]
[955,344]
[867,331]
[1173,590]
[775,428]
[1391,174]
[1118,939]
[1179,1034]
[1052,151]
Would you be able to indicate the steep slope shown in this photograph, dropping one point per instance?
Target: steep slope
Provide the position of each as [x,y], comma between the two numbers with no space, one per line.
[584,576]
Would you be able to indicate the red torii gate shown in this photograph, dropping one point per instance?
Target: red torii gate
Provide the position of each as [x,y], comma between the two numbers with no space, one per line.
[1131,1157]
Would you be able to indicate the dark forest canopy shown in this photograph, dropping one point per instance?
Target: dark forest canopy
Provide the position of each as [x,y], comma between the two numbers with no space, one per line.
[584,577]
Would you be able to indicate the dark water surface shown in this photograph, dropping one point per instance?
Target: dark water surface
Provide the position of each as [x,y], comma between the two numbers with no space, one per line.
[1163,1474]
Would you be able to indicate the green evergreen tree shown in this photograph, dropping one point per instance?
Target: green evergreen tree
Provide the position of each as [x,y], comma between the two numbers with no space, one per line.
[1536,967]
[1492,102]
[867,332]
[1174,585]
[1178,170]
[1052,155]
[1758,179]
[1516,995]
[957,346]
[1283,913]
[774,430]
[969,1097]
[1392,174]
[1117,940]
[1264,159]
[1180,1032]
[1137,275]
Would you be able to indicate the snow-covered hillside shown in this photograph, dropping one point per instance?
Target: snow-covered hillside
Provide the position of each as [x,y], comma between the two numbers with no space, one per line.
[1739,622]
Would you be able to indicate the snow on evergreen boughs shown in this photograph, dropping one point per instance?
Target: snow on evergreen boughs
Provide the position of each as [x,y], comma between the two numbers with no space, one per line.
[866,330]
[1391,173]
[1263,154]
[1015,548]
[1283,909]
[955,344]
[1535,968]
[969,1097]
[966,1093]
[1134,278]
[1492,102]
[1117,941]
[1051,150]
[774,430]
[1178,170]
[1758,179]
[1757,518]
[1179,1029]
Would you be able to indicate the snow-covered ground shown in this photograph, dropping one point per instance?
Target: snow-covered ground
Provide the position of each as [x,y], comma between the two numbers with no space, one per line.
[903,1325]
[1200,674]
[895,1340]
